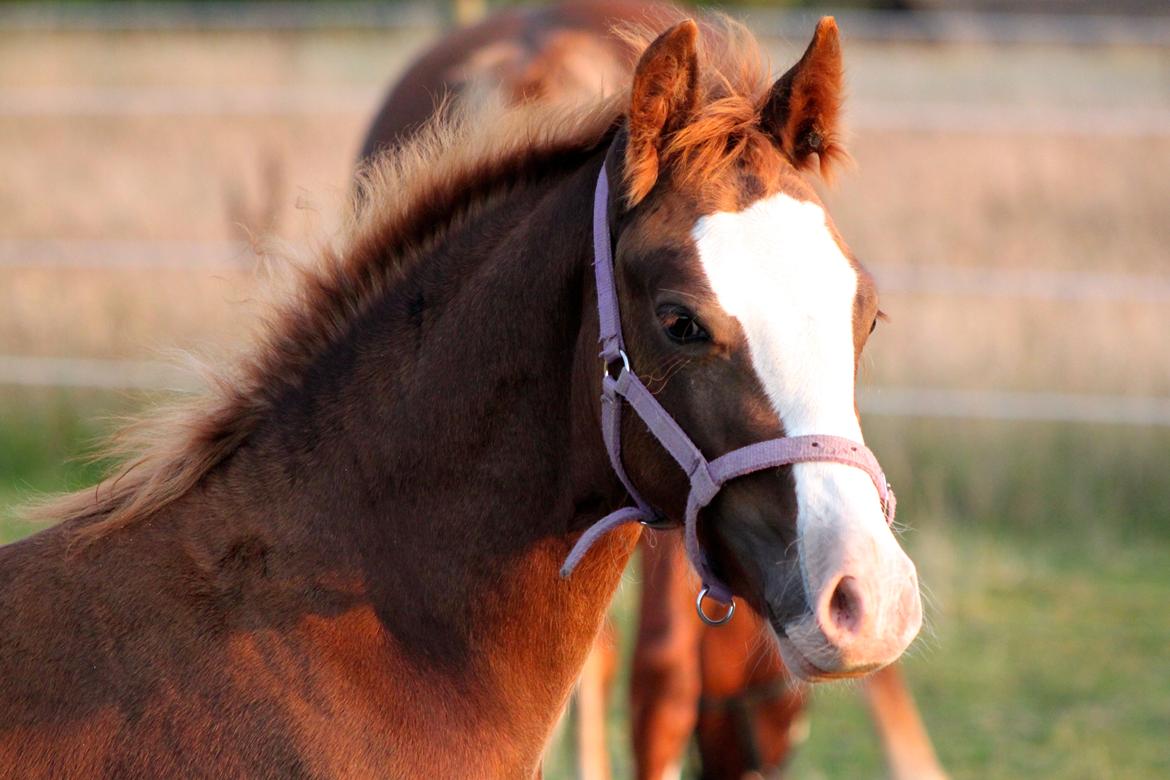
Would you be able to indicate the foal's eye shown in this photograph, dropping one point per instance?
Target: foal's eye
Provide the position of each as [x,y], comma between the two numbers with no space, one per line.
[681,325]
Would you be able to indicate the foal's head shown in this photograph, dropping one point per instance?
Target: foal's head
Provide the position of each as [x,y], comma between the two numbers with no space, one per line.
[746,314]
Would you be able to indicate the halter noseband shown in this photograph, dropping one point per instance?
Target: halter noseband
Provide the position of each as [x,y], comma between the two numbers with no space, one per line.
[706,477]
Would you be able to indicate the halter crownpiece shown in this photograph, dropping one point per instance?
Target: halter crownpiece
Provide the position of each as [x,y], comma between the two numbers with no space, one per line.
[620,385]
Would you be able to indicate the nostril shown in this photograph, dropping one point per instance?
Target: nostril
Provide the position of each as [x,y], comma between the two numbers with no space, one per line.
[846,608]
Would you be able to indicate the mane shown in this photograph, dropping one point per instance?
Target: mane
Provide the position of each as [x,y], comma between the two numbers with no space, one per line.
[405,202]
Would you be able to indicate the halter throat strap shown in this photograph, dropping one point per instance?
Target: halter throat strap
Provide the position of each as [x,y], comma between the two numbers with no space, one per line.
[620,386]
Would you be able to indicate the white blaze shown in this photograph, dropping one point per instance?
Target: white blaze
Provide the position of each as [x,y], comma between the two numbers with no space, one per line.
[776,268]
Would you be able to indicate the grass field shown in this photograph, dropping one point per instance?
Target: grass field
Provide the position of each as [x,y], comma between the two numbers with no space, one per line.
[1045,547]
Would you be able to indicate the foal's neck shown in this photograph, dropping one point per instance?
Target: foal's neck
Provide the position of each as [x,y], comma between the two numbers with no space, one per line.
[443,453]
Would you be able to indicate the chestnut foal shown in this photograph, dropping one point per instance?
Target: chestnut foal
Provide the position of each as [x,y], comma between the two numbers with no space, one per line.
[723,684]
[347,560]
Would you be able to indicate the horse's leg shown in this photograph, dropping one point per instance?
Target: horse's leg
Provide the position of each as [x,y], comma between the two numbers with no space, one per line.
[665,686]
[592,694]
[905,743]
[751,714]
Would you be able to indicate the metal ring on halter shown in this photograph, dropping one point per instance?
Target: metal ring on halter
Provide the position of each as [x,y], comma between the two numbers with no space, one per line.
[625,364]
[658,522]
[703,615]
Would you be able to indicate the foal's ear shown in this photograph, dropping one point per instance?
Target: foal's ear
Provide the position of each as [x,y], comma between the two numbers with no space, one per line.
[665,93]
[801,111]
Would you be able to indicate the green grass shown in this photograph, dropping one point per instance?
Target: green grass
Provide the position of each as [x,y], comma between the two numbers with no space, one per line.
[46,438]
[1039,665]
[1045,549]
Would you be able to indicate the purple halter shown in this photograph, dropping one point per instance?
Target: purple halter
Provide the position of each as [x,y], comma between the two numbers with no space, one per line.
[706,477]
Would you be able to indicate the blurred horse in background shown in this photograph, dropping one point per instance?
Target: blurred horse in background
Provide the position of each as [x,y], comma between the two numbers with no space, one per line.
[559,54]
[726,686]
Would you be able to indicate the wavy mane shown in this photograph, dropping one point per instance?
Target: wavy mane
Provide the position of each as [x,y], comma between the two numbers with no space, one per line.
[404,203]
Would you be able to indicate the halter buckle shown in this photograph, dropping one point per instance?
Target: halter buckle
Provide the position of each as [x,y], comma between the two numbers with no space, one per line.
[703,615]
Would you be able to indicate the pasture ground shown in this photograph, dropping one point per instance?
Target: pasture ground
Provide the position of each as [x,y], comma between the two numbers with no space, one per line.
[1045,546]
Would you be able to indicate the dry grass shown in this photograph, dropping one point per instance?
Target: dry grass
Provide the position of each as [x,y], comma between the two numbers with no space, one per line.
[121,314]
[1009,201]
[164,178]
[915,199]
[1006,201]
[1023,201]
[1015,203]
[1076,347]
[213,58]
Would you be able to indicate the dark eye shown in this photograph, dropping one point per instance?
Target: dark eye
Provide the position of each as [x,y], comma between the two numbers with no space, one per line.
[681,325]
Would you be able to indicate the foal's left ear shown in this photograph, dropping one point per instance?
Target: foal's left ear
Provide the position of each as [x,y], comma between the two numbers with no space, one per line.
[802,108]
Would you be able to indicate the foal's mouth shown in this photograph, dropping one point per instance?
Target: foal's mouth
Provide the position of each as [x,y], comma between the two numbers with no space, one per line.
[807,671]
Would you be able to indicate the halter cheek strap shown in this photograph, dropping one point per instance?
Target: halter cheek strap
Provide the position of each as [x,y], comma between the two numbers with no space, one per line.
[621,386]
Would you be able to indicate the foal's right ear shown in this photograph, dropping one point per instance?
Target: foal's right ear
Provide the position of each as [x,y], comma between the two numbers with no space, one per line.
[665,93]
